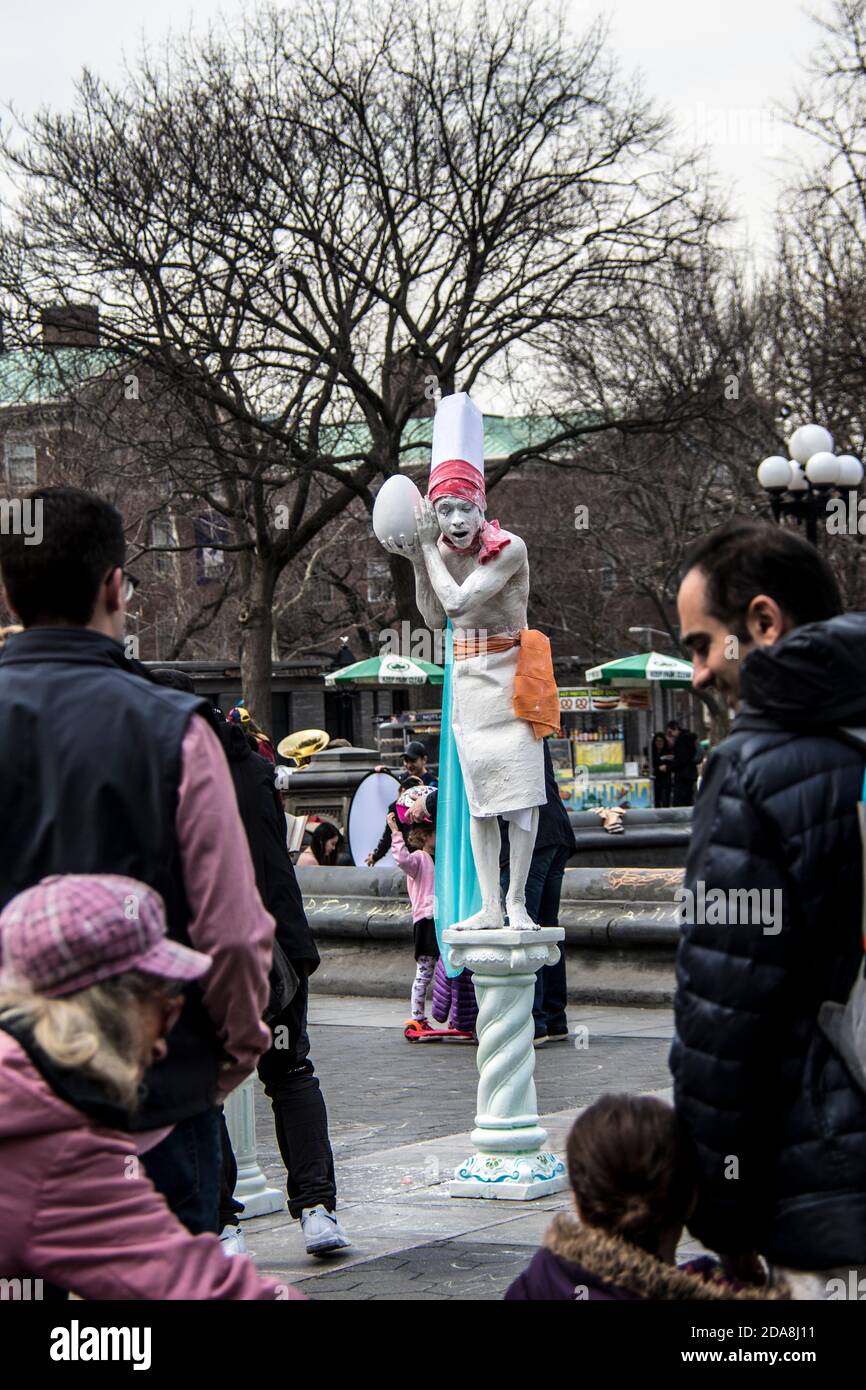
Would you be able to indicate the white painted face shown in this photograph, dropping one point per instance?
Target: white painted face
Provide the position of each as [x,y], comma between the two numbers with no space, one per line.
[460,520]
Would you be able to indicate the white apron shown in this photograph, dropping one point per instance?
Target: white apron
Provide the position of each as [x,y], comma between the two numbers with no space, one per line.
[501,759]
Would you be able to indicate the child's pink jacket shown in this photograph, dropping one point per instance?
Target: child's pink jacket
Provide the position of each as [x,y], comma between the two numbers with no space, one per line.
[420,870]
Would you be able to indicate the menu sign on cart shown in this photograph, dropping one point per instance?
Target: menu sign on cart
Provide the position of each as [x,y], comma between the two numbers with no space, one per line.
[585,701]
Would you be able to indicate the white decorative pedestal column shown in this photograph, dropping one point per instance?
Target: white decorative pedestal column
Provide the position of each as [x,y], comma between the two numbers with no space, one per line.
[512,1160]
[251,1187]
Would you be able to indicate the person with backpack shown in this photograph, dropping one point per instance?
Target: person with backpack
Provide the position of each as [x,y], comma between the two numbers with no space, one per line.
[771,905]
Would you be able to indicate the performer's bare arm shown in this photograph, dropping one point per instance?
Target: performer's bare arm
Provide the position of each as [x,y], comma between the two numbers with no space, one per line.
[482,584]
[429,607]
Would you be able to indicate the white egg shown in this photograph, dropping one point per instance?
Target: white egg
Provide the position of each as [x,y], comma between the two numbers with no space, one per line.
[394,508]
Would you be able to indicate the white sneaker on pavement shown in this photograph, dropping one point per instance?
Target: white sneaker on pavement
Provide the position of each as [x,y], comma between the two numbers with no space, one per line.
[233,1241]
[322,1231]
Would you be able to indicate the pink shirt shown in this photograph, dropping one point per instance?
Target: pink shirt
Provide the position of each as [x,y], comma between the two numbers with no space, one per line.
[228,920]
[420,871]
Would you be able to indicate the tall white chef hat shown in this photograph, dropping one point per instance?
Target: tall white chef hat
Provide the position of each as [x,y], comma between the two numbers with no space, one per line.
[457,463]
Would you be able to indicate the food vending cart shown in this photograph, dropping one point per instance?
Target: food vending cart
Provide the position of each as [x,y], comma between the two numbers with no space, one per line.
[598,761]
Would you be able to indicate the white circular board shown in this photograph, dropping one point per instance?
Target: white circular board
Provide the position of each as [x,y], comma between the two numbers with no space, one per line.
[367,812]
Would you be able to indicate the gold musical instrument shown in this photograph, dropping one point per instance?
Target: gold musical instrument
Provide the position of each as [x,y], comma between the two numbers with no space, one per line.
[301,746]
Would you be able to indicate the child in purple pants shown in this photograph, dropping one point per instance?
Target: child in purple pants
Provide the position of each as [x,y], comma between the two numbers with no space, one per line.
[454,1000]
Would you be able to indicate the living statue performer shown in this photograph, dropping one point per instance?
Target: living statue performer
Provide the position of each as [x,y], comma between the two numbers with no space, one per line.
[504,697]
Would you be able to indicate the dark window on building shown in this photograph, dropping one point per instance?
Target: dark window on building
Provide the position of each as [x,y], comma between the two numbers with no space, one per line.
[19,460]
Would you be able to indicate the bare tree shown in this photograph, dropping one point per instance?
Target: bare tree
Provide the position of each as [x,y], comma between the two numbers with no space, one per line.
[813,302]
[329,218]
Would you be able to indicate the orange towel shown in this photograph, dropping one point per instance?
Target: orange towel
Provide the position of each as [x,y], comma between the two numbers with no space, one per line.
[536,697]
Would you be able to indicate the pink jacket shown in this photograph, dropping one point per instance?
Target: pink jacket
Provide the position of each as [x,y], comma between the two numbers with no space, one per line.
[77,1210]
[420,871]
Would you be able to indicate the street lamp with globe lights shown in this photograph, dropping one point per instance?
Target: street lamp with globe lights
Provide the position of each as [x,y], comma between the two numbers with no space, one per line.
[800,486]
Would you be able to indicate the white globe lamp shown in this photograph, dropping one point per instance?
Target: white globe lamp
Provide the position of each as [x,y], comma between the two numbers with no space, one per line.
[822,470]
[850,471]
[809,440]
[774,473]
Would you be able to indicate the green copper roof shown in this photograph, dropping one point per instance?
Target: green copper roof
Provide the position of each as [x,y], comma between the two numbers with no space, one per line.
[36,376]
[503,435]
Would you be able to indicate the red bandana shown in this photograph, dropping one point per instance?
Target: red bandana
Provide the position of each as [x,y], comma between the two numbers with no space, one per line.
[456,478]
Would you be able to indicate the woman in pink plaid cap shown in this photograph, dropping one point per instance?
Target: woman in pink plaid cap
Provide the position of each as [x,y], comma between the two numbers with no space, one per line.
[89,988]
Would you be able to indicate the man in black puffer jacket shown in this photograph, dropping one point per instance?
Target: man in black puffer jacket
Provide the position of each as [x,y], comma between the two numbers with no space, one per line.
[778,1122]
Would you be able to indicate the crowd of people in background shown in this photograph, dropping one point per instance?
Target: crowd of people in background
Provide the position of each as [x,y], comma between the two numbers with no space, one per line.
[675,757]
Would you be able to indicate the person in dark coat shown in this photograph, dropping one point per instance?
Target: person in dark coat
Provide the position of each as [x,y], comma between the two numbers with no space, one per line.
[683,764]
[778,1122]
[661,758]
[286,1070]
[106,772]
[632,1173]
[554,846]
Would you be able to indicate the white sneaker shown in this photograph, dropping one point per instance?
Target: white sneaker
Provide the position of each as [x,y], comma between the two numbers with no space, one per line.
[233,1241]
[322,1231]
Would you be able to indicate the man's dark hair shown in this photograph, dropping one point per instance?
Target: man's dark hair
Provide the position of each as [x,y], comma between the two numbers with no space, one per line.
[746,557]
[673,724]
[58,579]
[176,680]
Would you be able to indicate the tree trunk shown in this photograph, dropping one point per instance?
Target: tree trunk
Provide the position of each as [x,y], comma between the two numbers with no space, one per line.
[403,580]
[256,624]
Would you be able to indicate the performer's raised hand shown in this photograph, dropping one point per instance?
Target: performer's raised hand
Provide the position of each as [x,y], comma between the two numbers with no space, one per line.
[426,522]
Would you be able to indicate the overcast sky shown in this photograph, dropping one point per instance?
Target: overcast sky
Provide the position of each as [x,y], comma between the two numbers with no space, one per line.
[721,65]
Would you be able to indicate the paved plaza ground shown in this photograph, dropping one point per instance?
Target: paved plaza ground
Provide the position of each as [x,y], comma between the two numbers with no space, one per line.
[400,1116]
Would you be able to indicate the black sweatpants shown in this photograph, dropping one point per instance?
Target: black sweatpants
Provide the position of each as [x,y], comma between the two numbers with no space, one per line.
[300,1116]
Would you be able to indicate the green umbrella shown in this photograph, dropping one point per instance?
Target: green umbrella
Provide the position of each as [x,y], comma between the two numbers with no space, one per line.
[647,668]
[391,669]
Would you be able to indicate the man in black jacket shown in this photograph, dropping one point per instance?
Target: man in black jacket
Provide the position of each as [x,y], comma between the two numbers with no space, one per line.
[554,846]
[285,1069]
[106,772]
[683,765]
[772,911]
